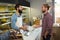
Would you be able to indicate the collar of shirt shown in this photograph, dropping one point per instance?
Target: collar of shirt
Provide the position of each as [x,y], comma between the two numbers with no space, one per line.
[18,15]
[45,14]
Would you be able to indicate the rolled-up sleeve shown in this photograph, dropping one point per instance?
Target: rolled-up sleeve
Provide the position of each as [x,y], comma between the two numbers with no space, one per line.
[13,22]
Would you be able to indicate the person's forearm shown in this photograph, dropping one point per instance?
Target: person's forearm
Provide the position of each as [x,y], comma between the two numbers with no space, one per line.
[20,28]
[24,28]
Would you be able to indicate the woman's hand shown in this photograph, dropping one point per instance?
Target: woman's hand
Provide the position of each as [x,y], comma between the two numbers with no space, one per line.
[36,26]
[23,28]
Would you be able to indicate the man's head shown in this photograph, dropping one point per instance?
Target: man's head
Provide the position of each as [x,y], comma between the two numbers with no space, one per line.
[19,8]
[45,8]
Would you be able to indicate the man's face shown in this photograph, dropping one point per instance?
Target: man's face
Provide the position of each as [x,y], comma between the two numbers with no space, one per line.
[20,8]
[43,9]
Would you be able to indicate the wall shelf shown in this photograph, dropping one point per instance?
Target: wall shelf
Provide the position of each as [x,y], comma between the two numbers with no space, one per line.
[5,23]
[5,14]
[5,17]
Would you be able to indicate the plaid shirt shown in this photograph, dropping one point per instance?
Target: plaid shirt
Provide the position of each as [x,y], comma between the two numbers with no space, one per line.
[47,23]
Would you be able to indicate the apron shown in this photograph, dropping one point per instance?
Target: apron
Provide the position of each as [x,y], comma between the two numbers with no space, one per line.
[19,23]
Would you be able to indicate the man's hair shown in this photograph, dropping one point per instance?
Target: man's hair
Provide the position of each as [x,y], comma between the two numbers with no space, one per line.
[46,6]
[17,6]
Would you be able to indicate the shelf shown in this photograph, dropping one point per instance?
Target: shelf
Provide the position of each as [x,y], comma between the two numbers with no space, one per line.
[6,14]
[5,23]
[6,4]
[5,17]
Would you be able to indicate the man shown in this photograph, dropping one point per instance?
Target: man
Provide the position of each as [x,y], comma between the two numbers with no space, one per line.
[16,19]
[47,23]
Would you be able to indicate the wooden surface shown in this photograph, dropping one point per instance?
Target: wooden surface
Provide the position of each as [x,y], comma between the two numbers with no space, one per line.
[57,33]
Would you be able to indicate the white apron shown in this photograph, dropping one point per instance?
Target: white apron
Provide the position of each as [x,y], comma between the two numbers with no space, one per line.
[19,23]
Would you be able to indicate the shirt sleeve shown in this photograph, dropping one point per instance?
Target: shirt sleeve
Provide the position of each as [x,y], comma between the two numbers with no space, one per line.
[49,23]
[13,22]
